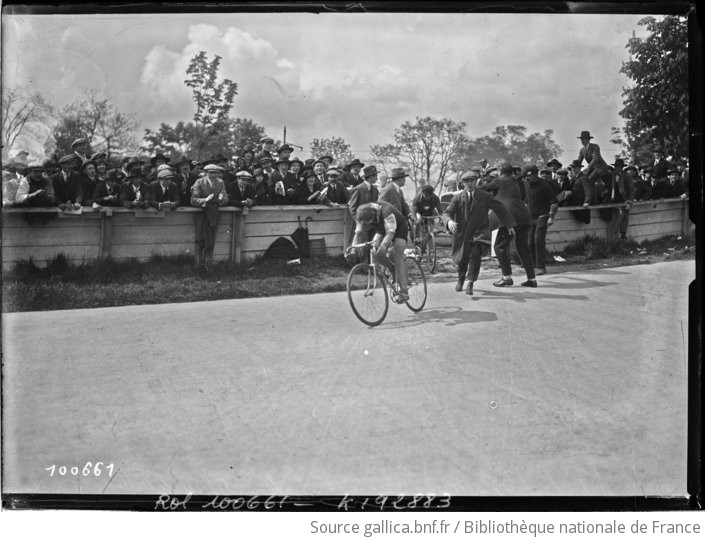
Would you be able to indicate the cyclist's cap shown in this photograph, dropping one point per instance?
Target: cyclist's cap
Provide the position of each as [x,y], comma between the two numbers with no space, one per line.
[469,175]
[427,189]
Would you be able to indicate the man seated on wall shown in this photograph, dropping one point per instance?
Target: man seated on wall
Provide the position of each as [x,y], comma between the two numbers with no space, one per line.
[241,192]
[67,184]
[163,193]
[35,190]
[134,191]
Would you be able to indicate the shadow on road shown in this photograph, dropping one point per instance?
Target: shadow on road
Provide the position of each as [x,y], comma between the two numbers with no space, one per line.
[522,296]
[575,283]
[449,316]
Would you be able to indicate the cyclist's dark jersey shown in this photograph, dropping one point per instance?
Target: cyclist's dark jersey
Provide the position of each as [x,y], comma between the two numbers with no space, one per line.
[388,210]
[425,205]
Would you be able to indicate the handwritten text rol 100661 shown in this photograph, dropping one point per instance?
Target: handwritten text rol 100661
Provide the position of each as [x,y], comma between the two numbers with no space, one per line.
[89,469]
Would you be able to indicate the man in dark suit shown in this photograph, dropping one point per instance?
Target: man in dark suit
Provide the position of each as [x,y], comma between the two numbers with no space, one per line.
[67,184]
[366,191]
[81,150]
[134,191]
[351,178]
[596,167]
[660,165]
[506,190]
[622,190]
[285,184]
[241,192]
[334,191]
[163,193]
[466,218]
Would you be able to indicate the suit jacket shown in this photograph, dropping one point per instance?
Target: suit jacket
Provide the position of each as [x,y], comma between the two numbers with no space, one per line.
[473,219]
[591,154]
[290,183]
[393,194]
[507,191]
[336,192]
[70,190]
[103,190]
[624,189]
[157,195]
[128,194]
[238,196]
[361,195]
[661,168]
[202,189]
[304,193]
[264,193]
[642,191]
[350,180]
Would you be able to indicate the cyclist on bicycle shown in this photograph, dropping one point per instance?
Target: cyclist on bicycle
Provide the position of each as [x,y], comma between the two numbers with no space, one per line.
[391,229]
[425,204]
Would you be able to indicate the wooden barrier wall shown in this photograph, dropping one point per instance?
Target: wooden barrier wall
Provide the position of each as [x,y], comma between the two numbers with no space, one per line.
[41,234]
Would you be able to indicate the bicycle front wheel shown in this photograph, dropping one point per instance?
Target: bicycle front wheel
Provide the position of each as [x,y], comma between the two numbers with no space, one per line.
[367,294]
[431,253]
[417,285]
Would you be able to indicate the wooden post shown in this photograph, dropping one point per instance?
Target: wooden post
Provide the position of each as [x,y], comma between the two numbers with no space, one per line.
[685,224]
[239,233]
[347,229]
[233,229]
[106,234]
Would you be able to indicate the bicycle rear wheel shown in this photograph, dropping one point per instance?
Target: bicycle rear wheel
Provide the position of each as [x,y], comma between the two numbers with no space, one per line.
[367,294]
[417,285]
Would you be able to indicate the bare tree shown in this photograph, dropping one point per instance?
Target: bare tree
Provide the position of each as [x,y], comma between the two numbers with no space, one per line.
[21,108]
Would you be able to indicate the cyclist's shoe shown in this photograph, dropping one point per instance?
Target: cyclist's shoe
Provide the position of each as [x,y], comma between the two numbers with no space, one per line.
[530,283]
[468,290]
[459,286]
[403,297]
[503,282]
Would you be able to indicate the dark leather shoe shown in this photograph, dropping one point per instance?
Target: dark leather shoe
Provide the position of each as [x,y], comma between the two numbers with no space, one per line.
[503,282]
[531,283]
[459,286]
[468,290]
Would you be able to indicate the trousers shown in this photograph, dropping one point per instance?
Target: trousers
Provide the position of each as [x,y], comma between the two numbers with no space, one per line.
[537,241]
[502,249]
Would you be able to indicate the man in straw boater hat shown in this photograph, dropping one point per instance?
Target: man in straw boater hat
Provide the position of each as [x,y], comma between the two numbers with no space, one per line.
[594,171]
[466,218]
[208,193]
[67,184]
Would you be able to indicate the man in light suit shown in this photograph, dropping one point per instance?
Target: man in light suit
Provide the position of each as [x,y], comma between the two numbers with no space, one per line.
[392,192]
[366,191]
[594,171]
[466,218]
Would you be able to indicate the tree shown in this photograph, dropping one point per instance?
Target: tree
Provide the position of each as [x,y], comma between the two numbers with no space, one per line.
[182,139]
[96,118]
[656,106]
[213,99]
[427,149]
[22,111]
[334,146]
[509,144]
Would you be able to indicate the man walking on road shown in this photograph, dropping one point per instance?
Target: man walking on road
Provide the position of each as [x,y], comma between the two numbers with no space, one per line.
[466,218]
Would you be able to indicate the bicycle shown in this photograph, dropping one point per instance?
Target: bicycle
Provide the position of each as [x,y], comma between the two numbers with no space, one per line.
[368,284]
[425,242]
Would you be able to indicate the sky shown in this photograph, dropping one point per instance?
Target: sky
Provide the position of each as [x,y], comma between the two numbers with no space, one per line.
[356,76]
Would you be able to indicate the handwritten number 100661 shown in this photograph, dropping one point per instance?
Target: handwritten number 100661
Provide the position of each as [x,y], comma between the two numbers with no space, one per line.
[89,469]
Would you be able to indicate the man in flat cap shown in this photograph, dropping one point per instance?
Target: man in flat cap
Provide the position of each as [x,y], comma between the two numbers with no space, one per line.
[81,149]
[241,193]
[208,193]
[265,148]
[319,168]
[595,170]
[35,190]
[67,184]
[334,190]
[466,218]
[163,193]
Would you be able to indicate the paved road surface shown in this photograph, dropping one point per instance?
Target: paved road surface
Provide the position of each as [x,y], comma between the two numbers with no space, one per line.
[577,387]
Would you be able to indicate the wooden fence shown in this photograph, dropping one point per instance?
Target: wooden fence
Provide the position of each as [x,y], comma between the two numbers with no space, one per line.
[41,234]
